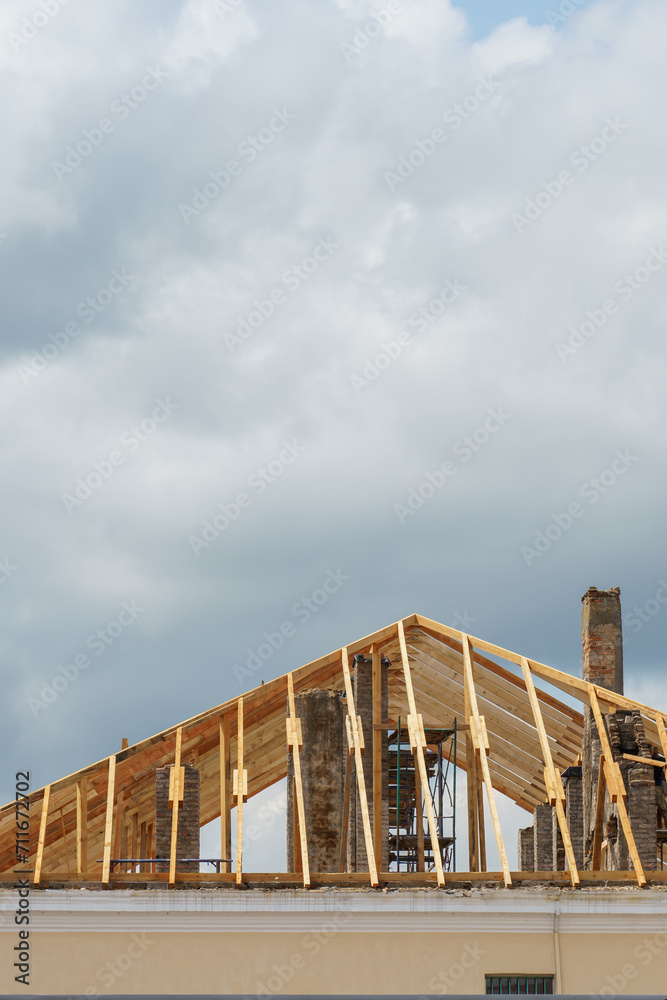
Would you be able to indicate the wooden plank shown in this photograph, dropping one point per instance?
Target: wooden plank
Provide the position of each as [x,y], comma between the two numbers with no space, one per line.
[108,821]
[611,769]
[660,724]
[240,789]
[471,784]
[173,843]
[555,783]
[225,798]
[82,825]
[644,760]
[345,825]
[294,744]
[416,725]
[42,836]
[361,781]
[596,862]
[376,657]
[481,753]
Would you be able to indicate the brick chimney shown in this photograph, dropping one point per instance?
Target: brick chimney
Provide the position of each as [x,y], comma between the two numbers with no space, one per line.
[602,638]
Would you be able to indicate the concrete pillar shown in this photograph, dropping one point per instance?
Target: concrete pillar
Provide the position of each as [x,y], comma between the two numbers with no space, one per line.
[602,664]
[187,841]
[526,850]
[363,700]
[322,772]
[543,847]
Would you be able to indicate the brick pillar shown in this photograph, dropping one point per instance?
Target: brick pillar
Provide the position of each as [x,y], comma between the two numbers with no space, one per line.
[322,763]
[363,700]
[557,845]
[526,850]
[187,841]
[543,847]
[602,664]
[574,811]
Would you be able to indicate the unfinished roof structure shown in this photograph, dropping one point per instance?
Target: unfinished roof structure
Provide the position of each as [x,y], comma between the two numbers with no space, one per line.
[586,776]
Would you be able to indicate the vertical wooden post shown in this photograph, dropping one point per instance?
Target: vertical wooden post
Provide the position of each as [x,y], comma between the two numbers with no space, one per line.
[241,792]
[119,841]
[471,786]
[150,853]
[596,863]
[296,838]
[376,658]
[42,836]
[108,821]
[225,796]
[417,744]
[134,851]
[82,826]
[175,807]
[480,820]
[345,825]
[143,845]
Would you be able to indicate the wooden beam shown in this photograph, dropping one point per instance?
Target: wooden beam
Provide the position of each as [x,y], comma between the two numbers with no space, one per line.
[478,733]
[612,771]
[596,862]
[355,734]
[42,836]
[173,844]
[294,743]
[378,770]
[82,825]
[417,744]
[555,790]
[240,790]
[225,798]
[660,723]
[345,825]
[108,821]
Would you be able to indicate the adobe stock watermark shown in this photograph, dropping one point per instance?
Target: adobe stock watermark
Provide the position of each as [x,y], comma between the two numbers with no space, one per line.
[564,11]
[88,310]
[249,149]
[464,449]
[625,288]
[117,968]
[293,278]
[591,491]
[370,30]
[434,309]
[121,107]
[311,945]
[224,7]
[581,158]
[618,983]
[447,980]
[303,610]
[31,26]
[640,616]
[130,442]
[259,482]
[97,642]
[455,116]
[7,569]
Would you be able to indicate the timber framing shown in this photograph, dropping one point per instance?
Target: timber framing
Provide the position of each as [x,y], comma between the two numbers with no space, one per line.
[517,740]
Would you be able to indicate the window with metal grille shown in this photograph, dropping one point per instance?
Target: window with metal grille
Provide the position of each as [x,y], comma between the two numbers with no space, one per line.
[521,986]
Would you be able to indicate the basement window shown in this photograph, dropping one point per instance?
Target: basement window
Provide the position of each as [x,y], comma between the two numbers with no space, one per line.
[521,986]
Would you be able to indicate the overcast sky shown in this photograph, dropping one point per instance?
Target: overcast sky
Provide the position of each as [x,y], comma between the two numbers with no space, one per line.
[361,291]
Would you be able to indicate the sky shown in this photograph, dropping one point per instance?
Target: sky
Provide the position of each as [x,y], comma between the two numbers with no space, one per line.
[362,292]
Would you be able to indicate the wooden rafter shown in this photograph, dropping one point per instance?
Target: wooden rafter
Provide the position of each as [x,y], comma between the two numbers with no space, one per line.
[417,745]
[555,791]
[480,742]
[355,739]
[294,744]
